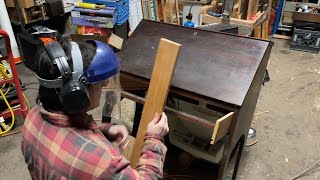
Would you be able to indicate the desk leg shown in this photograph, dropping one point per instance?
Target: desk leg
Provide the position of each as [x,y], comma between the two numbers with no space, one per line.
[226,158]
[137,113]
[236,166]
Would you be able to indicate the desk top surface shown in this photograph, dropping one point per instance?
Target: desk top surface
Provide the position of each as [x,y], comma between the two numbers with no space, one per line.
[215,65]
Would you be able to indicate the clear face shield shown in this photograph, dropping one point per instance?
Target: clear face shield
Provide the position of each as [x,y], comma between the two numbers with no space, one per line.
[112,100]
[109,102]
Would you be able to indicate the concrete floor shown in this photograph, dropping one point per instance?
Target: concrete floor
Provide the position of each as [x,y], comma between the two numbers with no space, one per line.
[286,120]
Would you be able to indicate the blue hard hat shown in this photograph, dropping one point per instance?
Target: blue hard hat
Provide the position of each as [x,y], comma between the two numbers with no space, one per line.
[104,65]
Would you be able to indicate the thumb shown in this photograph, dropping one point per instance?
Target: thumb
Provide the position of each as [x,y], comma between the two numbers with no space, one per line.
[155,118]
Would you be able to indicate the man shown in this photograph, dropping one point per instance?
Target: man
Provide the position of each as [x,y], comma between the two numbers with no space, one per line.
[61,141]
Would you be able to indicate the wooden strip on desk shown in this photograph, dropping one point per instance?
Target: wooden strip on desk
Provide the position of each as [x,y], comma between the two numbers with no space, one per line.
[222,127]
[163,69]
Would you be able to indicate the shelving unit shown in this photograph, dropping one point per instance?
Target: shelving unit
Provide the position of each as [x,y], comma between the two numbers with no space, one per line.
[21,108]
[279,20]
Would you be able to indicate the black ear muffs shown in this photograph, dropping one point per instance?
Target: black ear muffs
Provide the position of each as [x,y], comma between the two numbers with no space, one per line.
[73,95]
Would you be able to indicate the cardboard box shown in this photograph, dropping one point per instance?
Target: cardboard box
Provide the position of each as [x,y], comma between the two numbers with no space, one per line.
[105,18]
[22,3]
[287,18]
[308,17]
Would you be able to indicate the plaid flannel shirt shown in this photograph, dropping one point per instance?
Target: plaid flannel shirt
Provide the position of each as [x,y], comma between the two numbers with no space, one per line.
[54,150]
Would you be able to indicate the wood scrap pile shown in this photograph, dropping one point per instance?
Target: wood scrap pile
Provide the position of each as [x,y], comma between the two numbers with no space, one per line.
[162,10]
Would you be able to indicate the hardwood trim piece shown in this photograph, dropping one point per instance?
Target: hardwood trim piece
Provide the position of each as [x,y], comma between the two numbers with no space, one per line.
[180,114]
[278,36]
[159,86]
[252,8]
[222,127]
[265,30]
[165,17]
[177,12]
[257,32]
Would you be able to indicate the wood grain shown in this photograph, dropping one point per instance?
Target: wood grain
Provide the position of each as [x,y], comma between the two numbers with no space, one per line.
[252,8]
[163,69]
[164,13]
[222,127]
[171,4]
[265,30]
[257,31]
[144,10]
[177,12]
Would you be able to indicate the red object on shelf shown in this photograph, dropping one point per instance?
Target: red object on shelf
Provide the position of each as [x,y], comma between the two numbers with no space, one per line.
[271,21]
[22,109]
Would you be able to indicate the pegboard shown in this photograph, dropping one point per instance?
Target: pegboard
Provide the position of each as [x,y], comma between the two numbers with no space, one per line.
[135,15]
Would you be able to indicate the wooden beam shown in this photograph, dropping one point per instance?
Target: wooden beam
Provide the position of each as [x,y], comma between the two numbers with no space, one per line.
[257,31]
[265,30]
[164,13]
[180,114]
[177,12]
[252,8]
[150,10]
[163,69]
[278,36]
[170,10]
[222,127]
[144,11]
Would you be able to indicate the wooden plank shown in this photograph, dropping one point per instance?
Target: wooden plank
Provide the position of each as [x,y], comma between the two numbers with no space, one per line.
[165,17]
[163,69]
[143,3]
[252,8]
[235,10]
[207,19]
[265,30]
[157,10]
[177,12]
[176,113]
[222,127]
[278,36]
[309,17]
[150,10]
[257,31]
[170,10]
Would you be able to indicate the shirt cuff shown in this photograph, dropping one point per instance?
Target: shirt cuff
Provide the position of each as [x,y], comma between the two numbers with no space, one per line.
[153,136]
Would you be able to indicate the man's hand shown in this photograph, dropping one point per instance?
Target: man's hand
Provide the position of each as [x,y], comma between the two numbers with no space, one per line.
[119,134]
[159,125]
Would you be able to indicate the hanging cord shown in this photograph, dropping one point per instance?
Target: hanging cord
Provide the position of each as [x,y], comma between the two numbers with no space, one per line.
[4,69]
[11,111]
[306,171]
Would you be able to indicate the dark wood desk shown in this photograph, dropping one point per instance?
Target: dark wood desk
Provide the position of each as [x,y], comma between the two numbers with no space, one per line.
[222,70]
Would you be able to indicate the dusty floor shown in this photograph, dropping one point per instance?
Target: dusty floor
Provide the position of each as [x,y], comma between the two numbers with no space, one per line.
[286,120]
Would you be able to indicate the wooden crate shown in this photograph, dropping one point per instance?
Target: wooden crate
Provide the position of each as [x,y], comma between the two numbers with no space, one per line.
[27,14]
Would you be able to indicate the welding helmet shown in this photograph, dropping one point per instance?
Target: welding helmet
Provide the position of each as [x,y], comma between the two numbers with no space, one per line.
[73,84]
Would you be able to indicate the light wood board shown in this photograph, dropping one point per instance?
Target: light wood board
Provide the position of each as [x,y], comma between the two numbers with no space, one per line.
[252,8]
[222,127]
[257,31]
[163,69]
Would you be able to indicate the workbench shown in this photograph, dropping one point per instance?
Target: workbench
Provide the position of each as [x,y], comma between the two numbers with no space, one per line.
[224,71]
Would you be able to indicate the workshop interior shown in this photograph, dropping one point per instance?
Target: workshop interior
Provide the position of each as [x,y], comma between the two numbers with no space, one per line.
[238,80]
